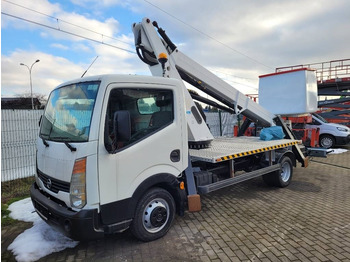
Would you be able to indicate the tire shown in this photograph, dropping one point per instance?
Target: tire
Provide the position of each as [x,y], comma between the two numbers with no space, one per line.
[283,177]
[327,141]
[269,179]
[154,215]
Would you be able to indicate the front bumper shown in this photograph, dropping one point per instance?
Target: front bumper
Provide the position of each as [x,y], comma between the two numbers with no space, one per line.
[342,140]
[82,225]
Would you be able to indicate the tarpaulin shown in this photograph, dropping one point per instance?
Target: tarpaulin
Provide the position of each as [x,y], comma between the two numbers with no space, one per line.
[272,133]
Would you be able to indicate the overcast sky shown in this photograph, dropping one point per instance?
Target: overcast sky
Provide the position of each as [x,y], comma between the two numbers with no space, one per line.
[237,40]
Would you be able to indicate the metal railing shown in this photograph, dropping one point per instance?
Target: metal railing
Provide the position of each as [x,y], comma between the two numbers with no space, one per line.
[325,71]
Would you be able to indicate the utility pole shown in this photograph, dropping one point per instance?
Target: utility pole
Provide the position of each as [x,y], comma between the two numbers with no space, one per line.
[30,78]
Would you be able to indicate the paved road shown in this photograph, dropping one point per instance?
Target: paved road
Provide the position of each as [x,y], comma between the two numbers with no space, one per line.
[308,221]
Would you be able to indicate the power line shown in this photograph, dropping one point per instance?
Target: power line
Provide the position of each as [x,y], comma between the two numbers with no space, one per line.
[229,80]
[28,9]
[205,34]
[87,38]
[69,23]
[67,32]
[247,78]
[235,82]
[87,29]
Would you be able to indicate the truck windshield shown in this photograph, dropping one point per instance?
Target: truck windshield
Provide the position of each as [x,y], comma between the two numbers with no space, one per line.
[68,113]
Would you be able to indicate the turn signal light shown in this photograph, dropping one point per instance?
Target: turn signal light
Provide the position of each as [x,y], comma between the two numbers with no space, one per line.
[78,184]
[182,185]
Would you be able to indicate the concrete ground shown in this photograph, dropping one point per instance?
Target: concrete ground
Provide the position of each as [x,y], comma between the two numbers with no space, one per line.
[307,221]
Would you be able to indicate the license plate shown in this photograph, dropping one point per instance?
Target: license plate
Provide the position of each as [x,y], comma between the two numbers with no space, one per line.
[41,210]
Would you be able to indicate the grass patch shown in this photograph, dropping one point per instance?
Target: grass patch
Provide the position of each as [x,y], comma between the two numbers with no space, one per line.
[18,188]
[12,191]
[6,220]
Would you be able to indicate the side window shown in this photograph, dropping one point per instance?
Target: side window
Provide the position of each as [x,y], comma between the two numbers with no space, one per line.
[147,105]
[150,110]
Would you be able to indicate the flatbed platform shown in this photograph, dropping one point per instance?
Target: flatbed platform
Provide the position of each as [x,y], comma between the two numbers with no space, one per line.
[227,148]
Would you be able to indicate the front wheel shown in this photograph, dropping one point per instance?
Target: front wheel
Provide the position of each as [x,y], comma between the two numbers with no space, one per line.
[327,141]
[154,215]
[283,177]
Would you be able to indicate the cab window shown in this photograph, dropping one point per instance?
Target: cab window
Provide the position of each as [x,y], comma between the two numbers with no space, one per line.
[150,110]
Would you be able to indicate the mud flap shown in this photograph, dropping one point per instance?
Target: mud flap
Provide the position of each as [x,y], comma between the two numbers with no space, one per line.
[194,203]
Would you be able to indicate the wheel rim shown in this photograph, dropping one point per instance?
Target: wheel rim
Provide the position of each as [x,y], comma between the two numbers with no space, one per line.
[286,172]
[155,215]
[326,142]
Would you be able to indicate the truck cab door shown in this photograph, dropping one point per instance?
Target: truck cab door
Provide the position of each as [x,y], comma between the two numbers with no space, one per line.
[156,144]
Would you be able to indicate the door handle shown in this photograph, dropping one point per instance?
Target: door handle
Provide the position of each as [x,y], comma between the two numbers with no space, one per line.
[175,155]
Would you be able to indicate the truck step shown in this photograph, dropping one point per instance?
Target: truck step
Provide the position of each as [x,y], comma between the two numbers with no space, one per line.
[235,180]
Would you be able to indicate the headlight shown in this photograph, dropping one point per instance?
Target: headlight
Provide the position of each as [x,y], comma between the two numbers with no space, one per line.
[78,184]
[342,129]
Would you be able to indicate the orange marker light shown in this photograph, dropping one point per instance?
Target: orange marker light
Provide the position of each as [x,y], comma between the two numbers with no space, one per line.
[182,185]
[162,56]
[162,59]
[79,166]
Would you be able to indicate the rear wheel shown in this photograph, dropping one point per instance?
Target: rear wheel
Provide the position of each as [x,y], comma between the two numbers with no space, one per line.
[283,177]
[154,215]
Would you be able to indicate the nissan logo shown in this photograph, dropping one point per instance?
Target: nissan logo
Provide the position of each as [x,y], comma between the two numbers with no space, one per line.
[49,183]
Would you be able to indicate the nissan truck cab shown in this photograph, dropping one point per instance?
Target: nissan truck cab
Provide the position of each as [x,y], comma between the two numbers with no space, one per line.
[110,152]
[331,134]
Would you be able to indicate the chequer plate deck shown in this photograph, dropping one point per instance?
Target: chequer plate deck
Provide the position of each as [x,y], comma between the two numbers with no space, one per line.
[225,148]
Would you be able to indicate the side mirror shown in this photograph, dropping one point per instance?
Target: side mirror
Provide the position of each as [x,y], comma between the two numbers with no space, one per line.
[122,126]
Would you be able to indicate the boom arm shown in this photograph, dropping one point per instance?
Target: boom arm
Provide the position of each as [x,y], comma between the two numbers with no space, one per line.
[203,79]
[149,44]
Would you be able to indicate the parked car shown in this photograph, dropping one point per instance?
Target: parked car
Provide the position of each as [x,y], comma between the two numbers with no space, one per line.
[331,134]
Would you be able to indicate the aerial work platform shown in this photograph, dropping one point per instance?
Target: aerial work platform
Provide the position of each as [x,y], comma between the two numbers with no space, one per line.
[228,148]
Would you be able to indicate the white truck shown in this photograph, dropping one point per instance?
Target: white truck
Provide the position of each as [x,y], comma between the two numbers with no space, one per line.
[117,152]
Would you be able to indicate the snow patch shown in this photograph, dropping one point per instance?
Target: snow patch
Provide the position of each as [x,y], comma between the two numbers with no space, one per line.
[38,241]
[338,151]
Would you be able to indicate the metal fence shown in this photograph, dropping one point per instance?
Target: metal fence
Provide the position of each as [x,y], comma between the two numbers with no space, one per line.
[19,129]
[221,124]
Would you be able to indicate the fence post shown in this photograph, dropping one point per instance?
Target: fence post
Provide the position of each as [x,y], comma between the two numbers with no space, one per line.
[235,131]
[220,122]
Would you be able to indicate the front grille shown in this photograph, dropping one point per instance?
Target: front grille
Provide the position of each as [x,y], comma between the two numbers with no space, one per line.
[53,184]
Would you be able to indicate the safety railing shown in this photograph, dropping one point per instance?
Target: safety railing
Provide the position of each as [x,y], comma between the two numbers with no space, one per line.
[336,70]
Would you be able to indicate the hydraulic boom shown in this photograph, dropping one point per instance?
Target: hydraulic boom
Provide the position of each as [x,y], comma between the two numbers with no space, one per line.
[152,45]
[149,45]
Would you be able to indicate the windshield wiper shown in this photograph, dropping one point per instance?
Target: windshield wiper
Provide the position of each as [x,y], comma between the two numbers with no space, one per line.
[44,142]
[72,148]
[62,138]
